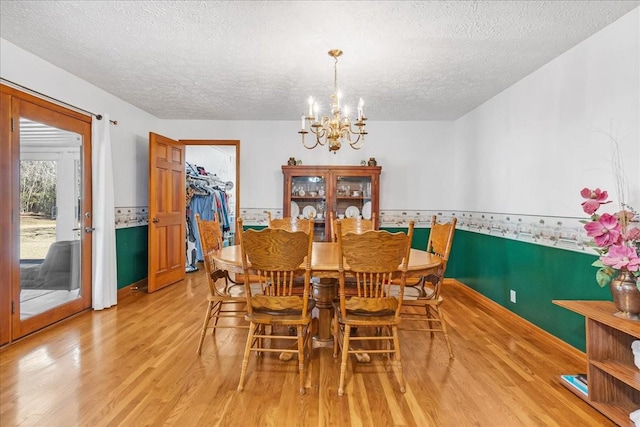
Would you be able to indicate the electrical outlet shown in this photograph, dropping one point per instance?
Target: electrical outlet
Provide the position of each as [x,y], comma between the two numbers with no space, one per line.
[512,296]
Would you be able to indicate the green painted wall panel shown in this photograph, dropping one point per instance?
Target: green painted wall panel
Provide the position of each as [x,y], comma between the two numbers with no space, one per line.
[131,254]
[539,274]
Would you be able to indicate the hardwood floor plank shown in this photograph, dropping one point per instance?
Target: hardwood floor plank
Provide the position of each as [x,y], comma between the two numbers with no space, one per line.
[136,364]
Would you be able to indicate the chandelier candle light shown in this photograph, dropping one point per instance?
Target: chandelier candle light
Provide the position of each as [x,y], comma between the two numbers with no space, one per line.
[336,129]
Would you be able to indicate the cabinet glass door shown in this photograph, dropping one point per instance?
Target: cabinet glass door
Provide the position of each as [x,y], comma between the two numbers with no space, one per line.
[353,196]
[308,198]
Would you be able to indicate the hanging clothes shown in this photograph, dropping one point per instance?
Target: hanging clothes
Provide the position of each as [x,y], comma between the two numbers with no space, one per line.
[205,197]
[191,259]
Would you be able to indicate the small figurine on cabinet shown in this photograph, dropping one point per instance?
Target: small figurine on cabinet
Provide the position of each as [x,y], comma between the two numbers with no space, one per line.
[291,161]
[372,161]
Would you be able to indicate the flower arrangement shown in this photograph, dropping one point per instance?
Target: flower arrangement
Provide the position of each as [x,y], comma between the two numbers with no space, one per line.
[615,239]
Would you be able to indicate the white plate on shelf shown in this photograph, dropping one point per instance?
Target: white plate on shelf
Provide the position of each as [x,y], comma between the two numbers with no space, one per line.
[308,211]
[352,212]
[295,210]
[366,210]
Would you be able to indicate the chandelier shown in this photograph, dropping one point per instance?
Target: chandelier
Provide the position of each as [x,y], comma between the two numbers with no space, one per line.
[336,129]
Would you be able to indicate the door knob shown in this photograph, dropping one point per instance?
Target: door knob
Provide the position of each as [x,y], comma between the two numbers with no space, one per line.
[156,220]
[88,229]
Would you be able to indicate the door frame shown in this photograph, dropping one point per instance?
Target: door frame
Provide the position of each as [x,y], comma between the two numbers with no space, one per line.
[58,116]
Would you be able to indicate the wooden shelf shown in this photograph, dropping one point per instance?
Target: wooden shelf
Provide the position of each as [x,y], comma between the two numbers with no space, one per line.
[319,198]
[613,379]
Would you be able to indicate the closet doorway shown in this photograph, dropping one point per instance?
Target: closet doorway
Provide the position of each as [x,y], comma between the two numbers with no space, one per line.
[215,192]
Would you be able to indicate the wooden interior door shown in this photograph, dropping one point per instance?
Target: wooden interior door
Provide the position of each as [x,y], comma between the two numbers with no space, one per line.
[167,215]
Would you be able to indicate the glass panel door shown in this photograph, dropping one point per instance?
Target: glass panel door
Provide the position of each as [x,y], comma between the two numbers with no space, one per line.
[50,217]
[353,196]
[308,197]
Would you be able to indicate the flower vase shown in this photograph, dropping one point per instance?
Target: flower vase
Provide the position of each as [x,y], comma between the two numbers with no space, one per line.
[626,295]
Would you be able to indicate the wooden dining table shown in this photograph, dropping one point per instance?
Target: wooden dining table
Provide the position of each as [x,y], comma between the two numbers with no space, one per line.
[324,266]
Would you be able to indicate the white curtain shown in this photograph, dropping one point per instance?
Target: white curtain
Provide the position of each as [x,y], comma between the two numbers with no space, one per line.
[105,284]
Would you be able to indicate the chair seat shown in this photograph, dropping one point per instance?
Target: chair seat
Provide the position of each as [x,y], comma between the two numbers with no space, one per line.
[278,319]
[384,314]
[280,306]
[365,305]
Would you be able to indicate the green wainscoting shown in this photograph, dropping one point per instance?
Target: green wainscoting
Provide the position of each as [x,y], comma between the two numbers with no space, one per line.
[131,254]
[539,274]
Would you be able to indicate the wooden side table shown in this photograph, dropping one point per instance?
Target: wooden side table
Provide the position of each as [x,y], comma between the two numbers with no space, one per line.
[613,378]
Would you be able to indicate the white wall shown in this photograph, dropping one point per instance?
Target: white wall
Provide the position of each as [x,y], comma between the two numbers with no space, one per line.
[403,149]
[533,147]
[130,139]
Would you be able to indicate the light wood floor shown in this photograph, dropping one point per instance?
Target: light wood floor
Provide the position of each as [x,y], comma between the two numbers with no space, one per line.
[136,364]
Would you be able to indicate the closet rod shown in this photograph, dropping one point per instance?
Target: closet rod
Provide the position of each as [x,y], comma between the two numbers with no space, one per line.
[51,98]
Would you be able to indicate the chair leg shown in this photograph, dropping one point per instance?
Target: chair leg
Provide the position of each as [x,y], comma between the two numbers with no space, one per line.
[216,315]
[345,355]
[247,351]
[443,325]
[396,345]
[301,358]
[207,318]
[309,355]
[336,334]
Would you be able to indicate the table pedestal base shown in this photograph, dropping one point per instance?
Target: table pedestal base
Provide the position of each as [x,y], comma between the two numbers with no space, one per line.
[324,291]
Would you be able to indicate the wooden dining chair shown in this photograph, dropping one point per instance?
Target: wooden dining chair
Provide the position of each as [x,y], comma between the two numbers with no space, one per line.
[276,256]
[291,224]
[374,258]
[351,225]
[422,297]
[225,300]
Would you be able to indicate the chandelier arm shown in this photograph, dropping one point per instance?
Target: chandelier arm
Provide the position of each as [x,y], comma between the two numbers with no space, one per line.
[355,145]
[346,133]
[320,134]
[360,130]
[305,145]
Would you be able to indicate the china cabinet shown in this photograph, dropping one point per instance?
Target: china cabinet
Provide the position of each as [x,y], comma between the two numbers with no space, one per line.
[612,377]
[344,190]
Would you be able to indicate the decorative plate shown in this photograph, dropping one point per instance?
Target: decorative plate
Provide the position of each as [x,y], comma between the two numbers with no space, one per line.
[295,210]
[366,210]
[308,211]
[352,212]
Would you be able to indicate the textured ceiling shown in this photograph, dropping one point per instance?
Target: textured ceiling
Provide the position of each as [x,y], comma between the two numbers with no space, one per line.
[261,60]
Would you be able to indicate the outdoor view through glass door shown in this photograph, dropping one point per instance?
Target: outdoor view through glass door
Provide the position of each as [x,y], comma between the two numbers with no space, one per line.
[50,222]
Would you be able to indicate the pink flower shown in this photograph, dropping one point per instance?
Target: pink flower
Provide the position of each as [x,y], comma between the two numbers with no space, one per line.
[605,231]
[633,234]
[595,198]
[620,256]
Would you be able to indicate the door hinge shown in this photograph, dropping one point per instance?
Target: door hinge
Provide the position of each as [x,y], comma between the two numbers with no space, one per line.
[11,124]
[13,310]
